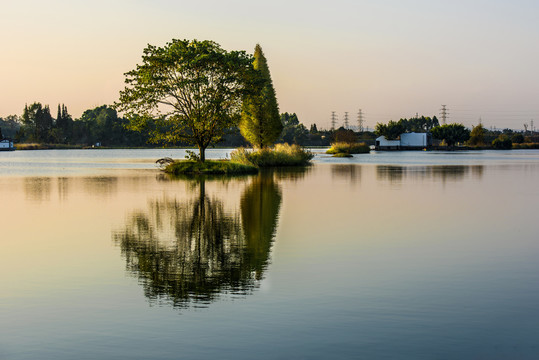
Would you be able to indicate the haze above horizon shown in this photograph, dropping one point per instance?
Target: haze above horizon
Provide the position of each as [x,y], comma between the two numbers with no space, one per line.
[392,59]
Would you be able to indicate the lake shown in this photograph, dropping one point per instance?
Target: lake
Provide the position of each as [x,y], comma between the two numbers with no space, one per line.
[388,255]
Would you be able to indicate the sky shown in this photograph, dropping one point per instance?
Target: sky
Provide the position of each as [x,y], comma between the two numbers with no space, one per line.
[389,58]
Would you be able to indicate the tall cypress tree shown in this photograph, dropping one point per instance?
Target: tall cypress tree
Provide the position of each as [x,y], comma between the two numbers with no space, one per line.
[260,120]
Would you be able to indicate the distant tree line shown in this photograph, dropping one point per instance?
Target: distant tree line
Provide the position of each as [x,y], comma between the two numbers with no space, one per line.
[96,126]
[393,129]
[453,134]
[103,126]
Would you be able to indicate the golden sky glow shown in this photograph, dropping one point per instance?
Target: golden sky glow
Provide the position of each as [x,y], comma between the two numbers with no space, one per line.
[390,58]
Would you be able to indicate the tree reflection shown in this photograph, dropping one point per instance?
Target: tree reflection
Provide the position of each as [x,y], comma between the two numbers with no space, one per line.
[189,252]
[393,173]
[350,172]
[38,188]
[260,205]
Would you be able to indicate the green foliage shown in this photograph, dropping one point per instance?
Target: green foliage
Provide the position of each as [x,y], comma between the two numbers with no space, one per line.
[517,138]
[502,142]
[477,136]
[209,167]
[10,126]
[260,121]
[391,131]
[343,155]
[343,135]
[37,123]
[189,90]
[348,148]
[280,155]
[419,124]
[293,132]
[451,133]
[526,146]
[64,126]
[191,155]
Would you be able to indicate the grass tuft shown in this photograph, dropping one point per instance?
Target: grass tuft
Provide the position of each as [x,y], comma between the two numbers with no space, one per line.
[348,148]
[280,155]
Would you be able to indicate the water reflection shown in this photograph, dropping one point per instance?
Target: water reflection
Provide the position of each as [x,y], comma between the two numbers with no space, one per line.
[188,252]
[395,173]
[291,173]
[37,188]
[63,188]
[103,186]
[350,172]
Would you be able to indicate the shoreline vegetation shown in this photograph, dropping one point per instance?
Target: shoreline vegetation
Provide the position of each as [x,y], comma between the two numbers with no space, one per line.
[37,146]
[346,149]
[209,167]
[242,161]
[278,156]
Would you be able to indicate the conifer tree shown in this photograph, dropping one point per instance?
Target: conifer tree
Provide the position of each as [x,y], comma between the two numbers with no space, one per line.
[260,120]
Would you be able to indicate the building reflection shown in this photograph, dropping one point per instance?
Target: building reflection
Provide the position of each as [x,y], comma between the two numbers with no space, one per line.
[395,174]
[190,252]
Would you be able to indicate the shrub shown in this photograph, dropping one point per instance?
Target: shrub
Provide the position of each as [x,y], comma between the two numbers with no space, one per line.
[349,148]
[280,155]
[502,142]
[517,138]
[526,146]
[209,167]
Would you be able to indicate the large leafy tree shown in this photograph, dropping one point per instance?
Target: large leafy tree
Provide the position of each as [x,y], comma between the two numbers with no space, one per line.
[391,131]
[260,120]
[451,133]
[190,90]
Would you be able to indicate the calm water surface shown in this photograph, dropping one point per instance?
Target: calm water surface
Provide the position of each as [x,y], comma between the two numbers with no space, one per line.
[408,255]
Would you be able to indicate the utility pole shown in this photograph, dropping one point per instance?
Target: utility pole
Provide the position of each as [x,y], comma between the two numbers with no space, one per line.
[360,120]
[333,120]
[346,119]
[443,114]
[531,126]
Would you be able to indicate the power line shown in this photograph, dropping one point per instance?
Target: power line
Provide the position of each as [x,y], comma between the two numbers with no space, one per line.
[346,119]
[333,120]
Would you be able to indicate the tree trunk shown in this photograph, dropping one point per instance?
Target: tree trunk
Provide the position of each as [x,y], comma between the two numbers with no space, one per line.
[202,153]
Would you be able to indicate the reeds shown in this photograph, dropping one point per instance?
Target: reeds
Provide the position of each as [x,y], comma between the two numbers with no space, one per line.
[348,148]
[280,155]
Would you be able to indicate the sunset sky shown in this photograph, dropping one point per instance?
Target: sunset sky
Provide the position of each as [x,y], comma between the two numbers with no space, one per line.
[391,58]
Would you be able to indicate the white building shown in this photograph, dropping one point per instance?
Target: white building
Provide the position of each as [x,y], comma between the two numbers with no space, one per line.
[408,141]
[383,144]
[6,145]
